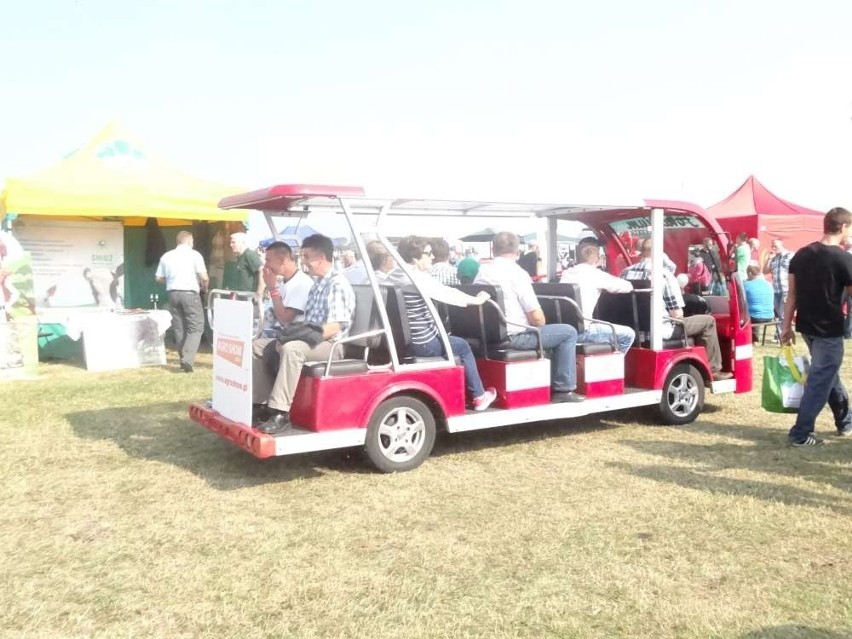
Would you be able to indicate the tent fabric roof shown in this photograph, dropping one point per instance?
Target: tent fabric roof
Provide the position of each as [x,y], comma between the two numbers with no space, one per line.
[113,176]
[754,198]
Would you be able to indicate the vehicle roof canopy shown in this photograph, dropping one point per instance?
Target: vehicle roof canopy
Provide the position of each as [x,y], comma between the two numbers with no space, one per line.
[303,199]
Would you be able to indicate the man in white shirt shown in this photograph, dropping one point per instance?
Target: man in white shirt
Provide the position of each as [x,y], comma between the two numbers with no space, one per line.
[288,298]
[288,307]
[183,272]
[592,281]
[521,307]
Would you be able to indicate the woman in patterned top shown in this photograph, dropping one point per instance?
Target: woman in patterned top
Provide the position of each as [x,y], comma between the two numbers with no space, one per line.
[424,332]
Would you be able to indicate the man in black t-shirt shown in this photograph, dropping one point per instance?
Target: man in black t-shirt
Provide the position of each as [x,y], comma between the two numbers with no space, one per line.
[819,273]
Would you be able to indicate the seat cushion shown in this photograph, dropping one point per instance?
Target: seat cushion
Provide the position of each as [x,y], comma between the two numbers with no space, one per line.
[338,368]
[594,349]
[673,343]
[511,355]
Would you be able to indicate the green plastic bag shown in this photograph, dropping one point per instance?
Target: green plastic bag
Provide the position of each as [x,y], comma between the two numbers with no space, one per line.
[784,377]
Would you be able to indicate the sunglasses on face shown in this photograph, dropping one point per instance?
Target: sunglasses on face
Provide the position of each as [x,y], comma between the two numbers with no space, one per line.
[429,252]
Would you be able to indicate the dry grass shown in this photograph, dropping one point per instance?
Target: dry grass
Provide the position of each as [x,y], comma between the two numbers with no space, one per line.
[121,518]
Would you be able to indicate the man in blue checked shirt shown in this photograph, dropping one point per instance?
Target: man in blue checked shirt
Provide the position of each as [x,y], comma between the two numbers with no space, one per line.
[331,305]
[702,328]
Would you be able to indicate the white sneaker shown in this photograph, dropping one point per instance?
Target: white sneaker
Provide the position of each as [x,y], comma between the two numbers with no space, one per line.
[485,400]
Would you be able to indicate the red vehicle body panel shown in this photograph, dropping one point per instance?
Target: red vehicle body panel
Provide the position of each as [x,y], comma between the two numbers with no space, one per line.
[648,369]
[348,401]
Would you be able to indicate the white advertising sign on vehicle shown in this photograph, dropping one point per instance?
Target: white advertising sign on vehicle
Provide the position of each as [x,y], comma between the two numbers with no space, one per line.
[232,337]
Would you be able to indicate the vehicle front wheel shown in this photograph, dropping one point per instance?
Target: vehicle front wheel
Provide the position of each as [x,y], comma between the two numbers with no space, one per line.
[401,434]
[683,395]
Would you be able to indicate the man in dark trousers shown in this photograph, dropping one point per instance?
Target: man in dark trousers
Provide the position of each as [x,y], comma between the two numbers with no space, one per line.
[183,272]
[819,273]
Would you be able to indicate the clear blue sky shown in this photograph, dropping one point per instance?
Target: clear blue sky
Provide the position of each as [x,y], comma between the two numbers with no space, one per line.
[529,100]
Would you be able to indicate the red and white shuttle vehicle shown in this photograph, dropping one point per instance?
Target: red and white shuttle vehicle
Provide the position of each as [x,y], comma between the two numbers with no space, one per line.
[391,405]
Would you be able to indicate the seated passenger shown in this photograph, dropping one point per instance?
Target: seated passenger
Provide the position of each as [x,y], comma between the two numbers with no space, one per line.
[592,281]
[330,305]
[424,332]
[441,269]
[384,266]
[700,327]
[467,269]
[759,298]
[288,298]
[522,307]
[356,272]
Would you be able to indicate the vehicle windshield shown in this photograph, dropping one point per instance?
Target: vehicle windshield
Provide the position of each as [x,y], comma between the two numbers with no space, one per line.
[688,243]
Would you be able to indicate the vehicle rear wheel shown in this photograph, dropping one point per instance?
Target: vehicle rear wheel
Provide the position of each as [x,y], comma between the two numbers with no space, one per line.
[683,395]
[401,434]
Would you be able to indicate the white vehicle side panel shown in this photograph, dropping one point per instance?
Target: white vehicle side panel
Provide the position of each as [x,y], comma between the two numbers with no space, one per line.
[566,410]
[524,375]
[725,386]
[306,441]
[599,368]
[744,351]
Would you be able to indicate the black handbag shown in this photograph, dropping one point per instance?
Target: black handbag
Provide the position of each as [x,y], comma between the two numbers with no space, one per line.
[311,334]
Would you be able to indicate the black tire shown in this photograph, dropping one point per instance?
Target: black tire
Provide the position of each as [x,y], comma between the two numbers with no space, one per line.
[401,434]
[683,395]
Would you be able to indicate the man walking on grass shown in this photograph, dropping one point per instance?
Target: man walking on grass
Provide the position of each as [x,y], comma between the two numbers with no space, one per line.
[183,272]
[819,273]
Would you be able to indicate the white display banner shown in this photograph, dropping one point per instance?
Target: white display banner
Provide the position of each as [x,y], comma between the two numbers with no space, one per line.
[75,263]
[112,341]
[232,337]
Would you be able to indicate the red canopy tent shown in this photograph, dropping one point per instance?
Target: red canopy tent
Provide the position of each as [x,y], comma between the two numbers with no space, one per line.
[759,213]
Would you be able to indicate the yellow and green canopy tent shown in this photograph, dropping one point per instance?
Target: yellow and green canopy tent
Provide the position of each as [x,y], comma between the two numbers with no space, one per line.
[115,177]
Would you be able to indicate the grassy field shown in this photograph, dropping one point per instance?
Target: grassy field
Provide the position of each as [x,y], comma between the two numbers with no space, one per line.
[122,518]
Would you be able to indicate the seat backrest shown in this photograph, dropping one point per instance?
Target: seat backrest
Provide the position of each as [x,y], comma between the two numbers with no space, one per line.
[482,323]
[397,315]
[618,308]
[365,319]
[643,309]
[559,310]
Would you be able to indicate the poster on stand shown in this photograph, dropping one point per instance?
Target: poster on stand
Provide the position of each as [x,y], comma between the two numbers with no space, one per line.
[75,263]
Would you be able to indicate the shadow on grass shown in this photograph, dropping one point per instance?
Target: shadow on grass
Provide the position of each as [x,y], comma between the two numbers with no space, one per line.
[163,432]
[448,444]
[795,631]
[759,450]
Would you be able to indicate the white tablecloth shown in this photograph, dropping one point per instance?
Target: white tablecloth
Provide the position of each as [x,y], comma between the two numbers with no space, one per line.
[115,340]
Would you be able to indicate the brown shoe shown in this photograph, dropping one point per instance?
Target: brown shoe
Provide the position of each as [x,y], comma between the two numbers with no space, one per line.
[722,375]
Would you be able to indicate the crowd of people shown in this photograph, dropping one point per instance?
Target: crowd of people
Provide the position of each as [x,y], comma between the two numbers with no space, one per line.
[312,288]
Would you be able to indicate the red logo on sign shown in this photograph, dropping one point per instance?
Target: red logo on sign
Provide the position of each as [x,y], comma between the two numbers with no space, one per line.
[230,350]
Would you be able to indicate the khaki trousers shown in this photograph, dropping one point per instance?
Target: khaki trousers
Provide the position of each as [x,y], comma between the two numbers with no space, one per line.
[278,391]
[702,328]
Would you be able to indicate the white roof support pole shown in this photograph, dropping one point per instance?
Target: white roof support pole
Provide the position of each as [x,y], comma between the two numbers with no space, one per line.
[657,281]
[271,224]
[552,253]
